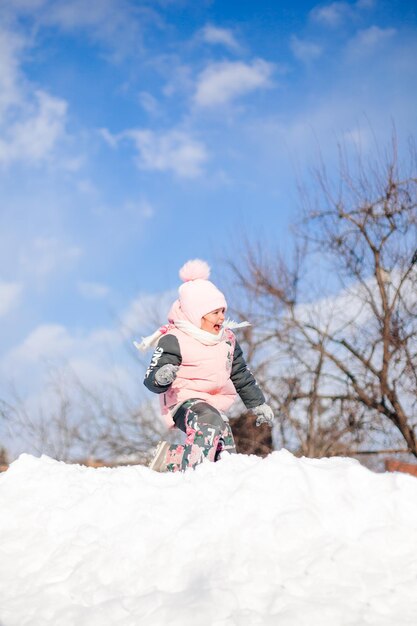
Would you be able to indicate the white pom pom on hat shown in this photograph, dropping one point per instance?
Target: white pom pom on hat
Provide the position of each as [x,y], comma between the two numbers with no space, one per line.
[197,295]
[196,268]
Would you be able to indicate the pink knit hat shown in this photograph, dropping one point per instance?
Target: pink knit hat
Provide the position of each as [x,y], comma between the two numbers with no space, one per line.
[197,296]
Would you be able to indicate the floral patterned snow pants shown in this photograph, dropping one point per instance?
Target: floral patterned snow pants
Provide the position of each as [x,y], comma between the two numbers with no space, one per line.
[208,434]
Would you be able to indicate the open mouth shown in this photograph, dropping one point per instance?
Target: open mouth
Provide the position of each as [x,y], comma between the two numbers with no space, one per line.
[217,327]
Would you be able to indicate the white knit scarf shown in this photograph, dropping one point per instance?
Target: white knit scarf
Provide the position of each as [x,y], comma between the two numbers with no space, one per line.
[208,339]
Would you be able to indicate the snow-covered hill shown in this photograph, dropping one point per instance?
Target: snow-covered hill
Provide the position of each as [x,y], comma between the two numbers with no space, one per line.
[246,542]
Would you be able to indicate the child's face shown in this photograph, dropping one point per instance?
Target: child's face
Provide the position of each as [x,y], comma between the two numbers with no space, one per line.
[212,322]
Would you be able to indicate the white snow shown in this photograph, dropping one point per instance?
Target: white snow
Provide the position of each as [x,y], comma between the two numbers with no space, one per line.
[246,542]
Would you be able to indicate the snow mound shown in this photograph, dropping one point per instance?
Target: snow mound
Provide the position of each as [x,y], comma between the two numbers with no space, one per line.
[246,542]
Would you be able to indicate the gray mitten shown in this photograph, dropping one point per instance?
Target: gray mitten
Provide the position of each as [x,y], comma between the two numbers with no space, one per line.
[166,374]
[264,413]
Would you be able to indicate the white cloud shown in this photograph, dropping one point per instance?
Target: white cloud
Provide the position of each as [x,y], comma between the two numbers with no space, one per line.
[34,136]
[99,358]
[87,187]
[45,342]
[31,120]
[146,312]
[118,24]
[137,211]
[173,151]
[365,4]
[10,47]
[24,5]
[305,51]
[55,343]
[51,352]
[109,138]
[149,103]
[95,375]
[70,15]
[220,36]
[222,82]
[9,296]
[336,13]
[93,290]
[331,14]
[146,209]
[180,79]
[46,255]
[368,39]
[351,308]
[360,137]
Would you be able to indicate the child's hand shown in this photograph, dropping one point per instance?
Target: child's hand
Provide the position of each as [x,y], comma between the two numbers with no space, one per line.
[264,413]
[166,374]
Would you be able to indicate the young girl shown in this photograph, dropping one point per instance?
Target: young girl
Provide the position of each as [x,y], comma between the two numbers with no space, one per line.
[197,368]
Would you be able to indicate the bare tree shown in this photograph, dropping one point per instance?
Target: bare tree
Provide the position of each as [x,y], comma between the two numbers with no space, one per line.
[249,438]
[4,458]
[73,419]
[336,344]
[79,422]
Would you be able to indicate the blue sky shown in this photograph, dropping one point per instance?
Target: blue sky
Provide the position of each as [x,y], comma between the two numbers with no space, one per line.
[136,135]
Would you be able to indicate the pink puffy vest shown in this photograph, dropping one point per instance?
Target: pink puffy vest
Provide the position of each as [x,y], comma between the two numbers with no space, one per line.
[204,373]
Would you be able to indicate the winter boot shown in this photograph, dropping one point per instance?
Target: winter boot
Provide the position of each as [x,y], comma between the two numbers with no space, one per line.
[159,461]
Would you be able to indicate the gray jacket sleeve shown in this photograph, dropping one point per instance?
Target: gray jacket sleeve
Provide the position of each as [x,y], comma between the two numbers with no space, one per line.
[244,381]
[167,351]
